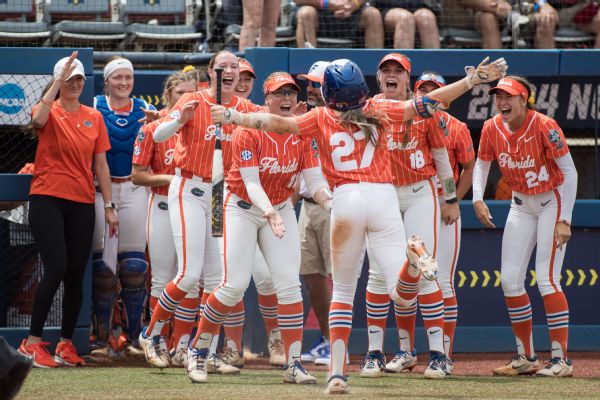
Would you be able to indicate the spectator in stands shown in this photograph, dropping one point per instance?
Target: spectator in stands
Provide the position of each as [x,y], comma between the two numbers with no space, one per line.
[338,18]
[72,138]
[260,19]
[487,16]
[578,14]
[402,18]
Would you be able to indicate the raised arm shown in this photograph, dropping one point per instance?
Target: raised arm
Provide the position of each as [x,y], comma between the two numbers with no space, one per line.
[426,106]
[263,121]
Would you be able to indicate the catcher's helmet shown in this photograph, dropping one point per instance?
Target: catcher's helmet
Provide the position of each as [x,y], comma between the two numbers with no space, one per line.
[344,87]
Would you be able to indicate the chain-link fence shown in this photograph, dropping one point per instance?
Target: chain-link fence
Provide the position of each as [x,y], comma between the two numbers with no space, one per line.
[195,25]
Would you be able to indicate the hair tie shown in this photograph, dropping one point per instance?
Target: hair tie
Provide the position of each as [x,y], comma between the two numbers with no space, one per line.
[531,99]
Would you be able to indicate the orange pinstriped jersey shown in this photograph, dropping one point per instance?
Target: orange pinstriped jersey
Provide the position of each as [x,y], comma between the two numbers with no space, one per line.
[279,158]
[195,147]
[458,143]
[346,155]
[157,156]
[525,157]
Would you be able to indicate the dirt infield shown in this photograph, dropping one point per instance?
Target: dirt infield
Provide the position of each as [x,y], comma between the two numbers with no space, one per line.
[585,364]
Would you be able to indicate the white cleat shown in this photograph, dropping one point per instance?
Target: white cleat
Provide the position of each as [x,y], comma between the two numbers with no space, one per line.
[436,368]
[449,366]
[420,259]
[295,373]
[373,365]
[216,365]
[196,369]
[231,357]
[180,358]
[557,367]
[404,361]
[519,365]
[337,385]
[155,350]
[276,353]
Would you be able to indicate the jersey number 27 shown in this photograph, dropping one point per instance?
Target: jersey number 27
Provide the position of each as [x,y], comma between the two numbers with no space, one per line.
[344,144]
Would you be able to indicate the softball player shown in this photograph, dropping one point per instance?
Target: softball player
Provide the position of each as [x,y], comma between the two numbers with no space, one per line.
[460,151]
[153,166]
[357,165]
[258,209]
[121,115]
[534,158]
[190,193]
[233,325]
[418,154]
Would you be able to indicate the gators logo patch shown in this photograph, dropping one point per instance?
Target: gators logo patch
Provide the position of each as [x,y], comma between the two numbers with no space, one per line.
[197,192]
[244,204]
[163,206]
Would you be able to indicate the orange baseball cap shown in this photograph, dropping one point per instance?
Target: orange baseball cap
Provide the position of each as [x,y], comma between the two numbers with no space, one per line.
[245,66]
[397,57]
[279,80]
[510,86]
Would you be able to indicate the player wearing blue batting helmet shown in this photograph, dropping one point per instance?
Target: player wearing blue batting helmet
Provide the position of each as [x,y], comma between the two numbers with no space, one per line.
[344,87]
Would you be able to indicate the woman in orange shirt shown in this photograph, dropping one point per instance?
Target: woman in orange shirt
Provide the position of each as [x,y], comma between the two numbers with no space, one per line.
[61,207]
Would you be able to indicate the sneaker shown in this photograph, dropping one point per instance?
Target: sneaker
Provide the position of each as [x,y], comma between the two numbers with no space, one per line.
[337,385]
[216,365]
[436,368]
[134,349]
[449,366]
[295,373]
[519,365]
[179,358]
[66,354]
[404,361]
[419,258]
[325,359]
[557,367]
[155,350]
[232,357]
[373,364]
[319,348]
[276,353]
[40,354]
[196,369]
[116,345]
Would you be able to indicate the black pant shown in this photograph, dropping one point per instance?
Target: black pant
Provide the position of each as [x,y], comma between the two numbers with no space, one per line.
[63,231]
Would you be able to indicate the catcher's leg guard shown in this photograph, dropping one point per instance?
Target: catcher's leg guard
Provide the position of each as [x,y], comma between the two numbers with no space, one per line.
[132,272]
[104,282]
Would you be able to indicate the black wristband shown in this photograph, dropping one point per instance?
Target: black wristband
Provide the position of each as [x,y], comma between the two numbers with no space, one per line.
[452,200]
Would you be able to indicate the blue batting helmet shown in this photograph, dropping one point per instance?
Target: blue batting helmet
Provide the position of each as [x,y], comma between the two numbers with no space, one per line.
[344,87]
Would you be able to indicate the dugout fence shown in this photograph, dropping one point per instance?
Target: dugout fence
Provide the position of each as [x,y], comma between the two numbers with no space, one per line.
[568,88]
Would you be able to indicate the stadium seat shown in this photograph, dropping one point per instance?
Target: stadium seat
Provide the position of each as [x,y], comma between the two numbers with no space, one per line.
[90,22]
[16,29]
[469,38]
[176,32]
[568,37]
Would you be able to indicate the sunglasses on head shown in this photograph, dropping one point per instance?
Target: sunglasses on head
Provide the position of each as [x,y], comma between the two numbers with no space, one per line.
[432,78]
[316,85]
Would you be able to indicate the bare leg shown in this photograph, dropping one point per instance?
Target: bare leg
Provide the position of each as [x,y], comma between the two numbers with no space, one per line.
[371,23]
[307,25]
[490,31]
[427,28]
[401,23]
[320,299]
[253,14]
[269,23]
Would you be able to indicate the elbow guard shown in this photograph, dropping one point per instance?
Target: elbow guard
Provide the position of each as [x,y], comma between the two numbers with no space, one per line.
[425,106]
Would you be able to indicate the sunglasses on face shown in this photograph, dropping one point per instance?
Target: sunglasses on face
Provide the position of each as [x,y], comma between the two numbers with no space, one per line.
[432,78]
[316,85]
[284,93]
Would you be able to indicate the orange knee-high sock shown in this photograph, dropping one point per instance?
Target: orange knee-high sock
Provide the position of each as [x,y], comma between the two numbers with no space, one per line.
[407,287]
[210,323]
[184,321]
[268,309]
[557,313]
[519,310]
[291,322]
[234,326]
[340,325]
[432,311]
[450,317]
[378,306]
[406,320]
[165,307]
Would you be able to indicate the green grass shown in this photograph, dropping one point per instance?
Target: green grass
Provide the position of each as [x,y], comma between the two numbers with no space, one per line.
[149,384]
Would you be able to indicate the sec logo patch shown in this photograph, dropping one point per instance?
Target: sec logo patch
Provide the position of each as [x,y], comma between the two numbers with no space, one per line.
[137,151]
[163,206]
[246,155]
[175,114]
